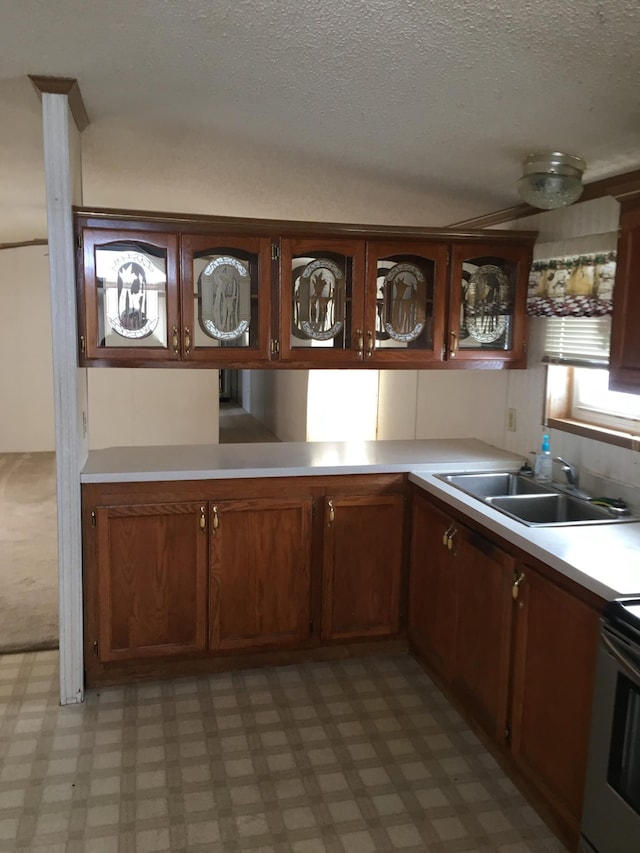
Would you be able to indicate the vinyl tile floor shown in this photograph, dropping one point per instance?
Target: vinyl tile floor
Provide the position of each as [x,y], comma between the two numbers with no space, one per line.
[355,756]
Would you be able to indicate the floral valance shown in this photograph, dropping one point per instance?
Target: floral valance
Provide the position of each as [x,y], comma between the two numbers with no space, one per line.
[574,286]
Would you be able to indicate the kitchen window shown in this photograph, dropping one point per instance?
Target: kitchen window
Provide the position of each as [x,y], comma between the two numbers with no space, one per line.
[578,399]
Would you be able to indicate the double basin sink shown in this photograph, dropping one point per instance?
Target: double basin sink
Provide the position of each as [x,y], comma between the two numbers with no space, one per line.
[536,504]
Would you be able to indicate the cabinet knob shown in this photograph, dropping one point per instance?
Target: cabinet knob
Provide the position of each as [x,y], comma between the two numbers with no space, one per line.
[215,521]
[359,342]
[518,577]
[175,341]
[332,512]
[454,344]
[187,341]
[203,519]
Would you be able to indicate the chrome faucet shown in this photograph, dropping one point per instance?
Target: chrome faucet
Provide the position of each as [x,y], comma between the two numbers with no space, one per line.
[570,472]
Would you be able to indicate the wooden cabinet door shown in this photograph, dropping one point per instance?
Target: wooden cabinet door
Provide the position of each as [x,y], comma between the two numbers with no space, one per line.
[433,589]
[322,284]
[487,305]
[624,365]
[483,634]
[129,295]
[260,572]
[226,299]
[362,566]
[152,580]
[405,303]
[554,666]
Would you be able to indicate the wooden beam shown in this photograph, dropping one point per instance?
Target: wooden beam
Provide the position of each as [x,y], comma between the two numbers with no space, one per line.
[64,86]
[617,186]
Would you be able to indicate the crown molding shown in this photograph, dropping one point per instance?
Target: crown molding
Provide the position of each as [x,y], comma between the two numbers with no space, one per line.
[63,86]
[617,186]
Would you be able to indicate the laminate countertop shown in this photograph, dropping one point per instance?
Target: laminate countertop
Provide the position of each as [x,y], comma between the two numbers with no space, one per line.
[292,459]
[602,558]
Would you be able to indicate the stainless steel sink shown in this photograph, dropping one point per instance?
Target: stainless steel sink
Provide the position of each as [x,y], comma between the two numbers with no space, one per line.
[494,483]
[532,503]
[554,509]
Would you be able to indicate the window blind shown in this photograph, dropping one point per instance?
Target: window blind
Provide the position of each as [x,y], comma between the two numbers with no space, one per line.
[581,341]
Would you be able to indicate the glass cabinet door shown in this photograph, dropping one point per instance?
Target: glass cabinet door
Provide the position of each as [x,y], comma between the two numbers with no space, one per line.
[322,301]
[405,302]
[130,295]
[488,301]
[226,285]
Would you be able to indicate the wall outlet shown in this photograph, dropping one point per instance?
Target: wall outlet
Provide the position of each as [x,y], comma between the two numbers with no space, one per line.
[511,420]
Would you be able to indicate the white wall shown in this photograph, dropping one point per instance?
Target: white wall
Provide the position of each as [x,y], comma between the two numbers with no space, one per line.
[178,169]
[152,406]
[443,404]
[26,380]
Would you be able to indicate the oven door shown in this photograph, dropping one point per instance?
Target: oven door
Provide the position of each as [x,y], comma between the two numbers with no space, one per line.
[611,813]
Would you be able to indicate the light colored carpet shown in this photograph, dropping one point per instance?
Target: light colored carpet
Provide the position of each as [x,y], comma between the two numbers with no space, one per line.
[28,552]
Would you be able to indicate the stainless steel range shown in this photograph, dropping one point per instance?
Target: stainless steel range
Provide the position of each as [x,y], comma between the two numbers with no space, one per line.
[611,814]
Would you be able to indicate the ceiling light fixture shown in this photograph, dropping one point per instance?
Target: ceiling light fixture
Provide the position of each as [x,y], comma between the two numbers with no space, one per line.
[551,180]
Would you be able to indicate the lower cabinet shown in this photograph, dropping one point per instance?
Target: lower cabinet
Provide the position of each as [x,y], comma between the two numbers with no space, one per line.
[433,589]
[556,642]
[483,628]
[460,611]
[237,568]
[514,649]
[260,572]
[362,554]
[152,579]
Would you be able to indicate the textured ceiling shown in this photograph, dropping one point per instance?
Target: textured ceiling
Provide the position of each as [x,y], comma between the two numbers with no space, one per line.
[445,96]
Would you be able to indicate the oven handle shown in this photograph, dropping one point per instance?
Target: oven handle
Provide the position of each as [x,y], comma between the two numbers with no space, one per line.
[632,671]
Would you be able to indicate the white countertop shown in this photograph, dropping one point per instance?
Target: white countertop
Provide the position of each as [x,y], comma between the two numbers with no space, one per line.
[603,558]
[291,459]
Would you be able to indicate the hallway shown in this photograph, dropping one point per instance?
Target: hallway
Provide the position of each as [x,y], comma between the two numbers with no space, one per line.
[239,427]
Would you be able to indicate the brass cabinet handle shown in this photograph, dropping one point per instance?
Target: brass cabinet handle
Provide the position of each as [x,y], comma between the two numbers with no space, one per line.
[453,533]
[518,577]
[454,344]
[215,523]
[203,519]
[187,341]
[445,535]
[332,513]
[359,342]
[369,343]
[175,341]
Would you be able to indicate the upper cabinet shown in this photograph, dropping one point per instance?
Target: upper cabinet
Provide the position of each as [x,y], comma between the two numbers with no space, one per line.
[254,293]
[487,318]
[624,363]
[226,298]
[352,302]
[321,320]
[131,303]
[149,295]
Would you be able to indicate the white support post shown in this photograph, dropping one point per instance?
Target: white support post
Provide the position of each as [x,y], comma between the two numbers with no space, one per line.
[69,384]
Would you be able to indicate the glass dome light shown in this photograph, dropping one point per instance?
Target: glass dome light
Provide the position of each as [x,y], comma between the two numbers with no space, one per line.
[551,180]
